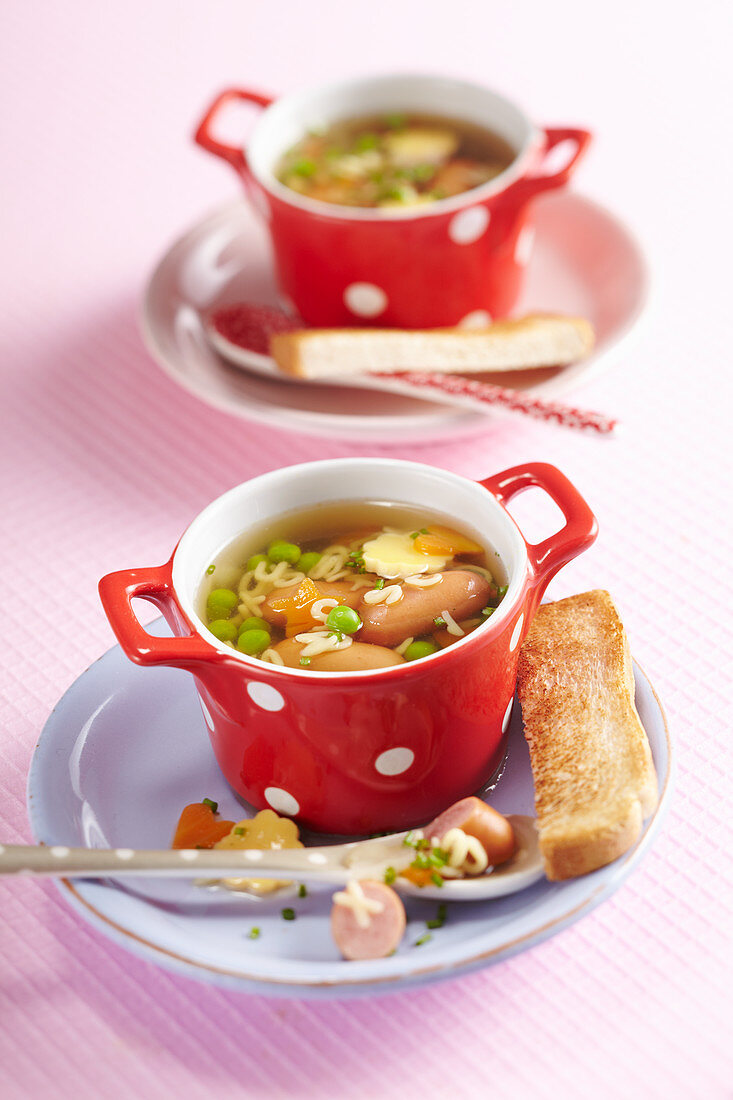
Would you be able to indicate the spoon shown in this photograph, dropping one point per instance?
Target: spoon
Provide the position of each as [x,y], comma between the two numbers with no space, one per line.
[471,394]
[330,864]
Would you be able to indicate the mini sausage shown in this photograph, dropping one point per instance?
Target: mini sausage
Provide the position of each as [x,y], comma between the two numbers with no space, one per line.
[354,658]
[341,591]
[477,819]
[367,920]
[460,592]
[444,638]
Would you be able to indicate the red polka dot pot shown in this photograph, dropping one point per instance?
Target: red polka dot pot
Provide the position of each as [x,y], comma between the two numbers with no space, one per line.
[456,260]
[356,752]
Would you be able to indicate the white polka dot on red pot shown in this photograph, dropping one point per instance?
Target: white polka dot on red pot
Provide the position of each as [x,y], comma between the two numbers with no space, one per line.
[524,245]
[516,633]
[282,801]
[394,761]
[265,696]
[468,225]
[365,299]
[477,318]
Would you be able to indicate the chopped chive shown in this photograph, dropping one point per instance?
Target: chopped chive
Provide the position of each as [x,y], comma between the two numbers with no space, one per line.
[254,933]
[239,830]
[437,859]
[423,939]
[501,591]
[213,806]
[440,621]
[395,121]
[338,634]
[365,142]
[288,914]
[411,839]
[302,891]
[414,534]
[201,847]
[488,611]
[422,172]
[436,878]
[305,661]
[210,570]
[424,531]
[379,583]
[390,875]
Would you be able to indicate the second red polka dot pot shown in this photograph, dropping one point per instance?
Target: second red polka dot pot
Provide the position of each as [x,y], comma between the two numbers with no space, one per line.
[456,260]
[367,751]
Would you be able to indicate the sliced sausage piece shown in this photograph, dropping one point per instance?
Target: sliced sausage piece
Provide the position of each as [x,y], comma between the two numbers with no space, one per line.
[477,819]
[354,658]
[341,591]
[367,920]
[460,592]
[444,638]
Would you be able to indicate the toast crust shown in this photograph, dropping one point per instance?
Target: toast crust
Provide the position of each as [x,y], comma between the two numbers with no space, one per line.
[593,772]
[534,341]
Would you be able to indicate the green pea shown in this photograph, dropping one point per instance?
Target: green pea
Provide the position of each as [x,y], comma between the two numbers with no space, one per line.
[220,603]
[307,561]
[223,629]
[253,623]
[254,561]
[253,641]
[304,167]
[416,650]
[343,618]
[279,550]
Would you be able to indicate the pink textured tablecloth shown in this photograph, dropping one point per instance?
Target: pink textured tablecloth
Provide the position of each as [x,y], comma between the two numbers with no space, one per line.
[104,461]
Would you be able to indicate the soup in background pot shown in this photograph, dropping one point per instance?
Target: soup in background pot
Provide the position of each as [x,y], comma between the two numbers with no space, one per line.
[350,586]
[396,160]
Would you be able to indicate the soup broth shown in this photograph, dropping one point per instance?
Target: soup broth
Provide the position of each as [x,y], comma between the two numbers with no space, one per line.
[350,586]
[395,160]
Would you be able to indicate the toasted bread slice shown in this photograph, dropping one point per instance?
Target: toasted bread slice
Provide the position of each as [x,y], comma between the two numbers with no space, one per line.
[593,773]
[534,341]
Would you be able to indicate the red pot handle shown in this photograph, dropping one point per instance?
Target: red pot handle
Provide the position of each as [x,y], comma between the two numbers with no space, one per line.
[206,139]
[526,188]
[580,529]
[117,590]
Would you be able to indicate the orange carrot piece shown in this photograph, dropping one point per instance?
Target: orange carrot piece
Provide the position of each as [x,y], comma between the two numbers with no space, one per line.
[198,827]
[445,541]
[418,875]
[297,608]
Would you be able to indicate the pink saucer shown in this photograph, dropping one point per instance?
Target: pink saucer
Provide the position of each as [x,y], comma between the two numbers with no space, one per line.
[583,261]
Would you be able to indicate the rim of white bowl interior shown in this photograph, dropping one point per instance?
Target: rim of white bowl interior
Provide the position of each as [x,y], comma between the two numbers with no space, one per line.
[260,166]
[265,482]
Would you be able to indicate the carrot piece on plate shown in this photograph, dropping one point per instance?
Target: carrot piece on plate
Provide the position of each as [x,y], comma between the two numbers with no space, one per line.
[445,541]
[198,827]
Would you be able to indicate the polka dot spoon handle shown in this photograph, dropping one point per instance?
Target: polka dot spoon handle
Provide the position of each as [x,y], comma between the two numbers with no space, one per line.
[322,864]
[328,865]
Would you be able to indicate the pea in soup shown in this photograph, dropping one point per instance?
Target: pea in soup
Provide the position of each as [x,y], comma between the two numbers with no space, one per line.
[350,586]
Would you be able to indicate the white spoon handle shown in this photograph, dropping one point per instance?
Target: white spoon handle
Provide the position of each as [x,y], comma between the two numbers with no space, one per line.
[301,864]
